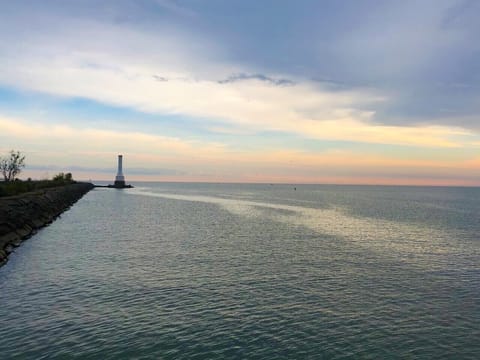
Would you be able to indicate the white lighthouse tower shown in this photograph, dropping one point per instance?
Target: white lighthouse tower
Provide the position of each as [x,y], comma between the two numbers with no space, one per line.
[120,179]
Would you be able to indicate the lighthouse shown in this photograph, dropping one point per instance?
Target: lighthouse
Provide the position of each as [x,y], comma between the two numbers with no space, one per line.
[120,179]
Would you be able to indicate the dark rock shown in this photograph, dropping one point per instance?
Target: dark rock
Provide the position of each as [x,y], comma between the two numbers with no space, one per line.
[24,232]
[5,229]
[8,239]
[8,249]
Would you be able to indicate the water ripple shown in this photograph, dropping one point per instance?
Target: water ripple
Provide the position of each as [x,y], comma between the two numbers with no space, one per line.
[194,276]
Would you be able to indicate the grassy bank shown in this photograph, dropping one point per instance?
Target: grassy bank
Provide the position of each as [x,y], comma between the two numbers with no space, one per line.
[17,186]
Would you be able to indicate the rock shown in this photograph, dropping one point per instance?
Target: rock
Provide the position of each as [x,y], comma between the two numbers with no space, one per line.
[4,228]
[24,232]
[8,239]
[3,255]
[8,249]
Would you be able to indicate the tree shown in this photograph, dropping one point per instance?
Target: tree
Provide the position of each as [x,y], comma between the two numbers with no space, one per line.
[12,165]
[63,178]
[60,177]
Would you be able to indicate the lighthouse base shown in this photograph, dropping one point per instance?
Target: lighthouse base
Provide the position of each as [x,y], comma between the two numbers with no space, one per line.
[120,182]
[120,185]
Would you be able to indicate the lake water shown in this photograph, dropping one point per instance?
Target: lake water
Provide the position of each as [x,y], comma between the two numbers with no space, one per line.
[223,271]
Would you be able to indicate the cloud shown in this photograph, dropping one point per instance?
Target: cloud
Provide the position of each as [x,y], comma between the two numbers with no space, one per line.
[400,50]
[60,140]
[159,78]
[175,8]
[261,77]
[91,153]
[404,49]
[253,104]
[113,63]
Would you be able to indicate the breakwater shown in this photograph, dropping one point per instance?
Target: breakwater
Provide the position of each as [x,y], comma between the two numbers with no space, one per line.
[22,215]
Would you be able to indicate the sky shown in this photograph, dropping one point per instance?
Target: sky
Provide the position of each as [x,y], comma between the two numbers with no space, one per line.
[271,91]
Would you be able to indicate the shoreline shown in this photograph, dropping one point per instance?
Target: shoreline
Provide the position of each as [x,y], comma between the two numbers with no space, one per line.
[21,216]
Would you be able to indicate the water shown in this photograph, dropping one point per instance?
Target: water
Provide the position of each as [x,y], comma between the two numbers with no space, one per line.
[216,271]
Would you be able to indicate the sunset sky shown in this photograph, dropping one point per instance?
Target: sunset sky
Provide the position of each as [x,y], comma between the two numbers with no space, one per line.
[321,91]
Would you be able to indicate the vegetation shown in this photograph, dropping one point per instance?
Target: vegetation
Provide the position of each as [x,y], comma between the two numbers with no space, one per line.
[17,186]
[12,165]
[63,178]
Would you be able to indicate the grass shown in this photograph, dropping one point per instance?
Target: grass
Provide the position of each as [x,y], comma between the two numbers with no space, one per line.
[17,186]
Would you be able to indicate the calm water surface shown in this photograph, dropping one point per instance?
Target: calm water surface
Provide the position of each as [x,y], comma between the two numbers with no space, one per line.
[215,271]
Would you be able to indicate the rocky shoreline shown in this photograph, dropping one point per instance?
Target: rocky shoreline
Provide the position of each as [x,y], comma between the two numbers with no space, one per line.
[22,215]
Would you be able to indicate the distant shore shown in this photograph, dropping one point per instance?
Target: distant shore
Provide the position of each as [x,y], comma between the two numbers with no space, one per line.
[22,215]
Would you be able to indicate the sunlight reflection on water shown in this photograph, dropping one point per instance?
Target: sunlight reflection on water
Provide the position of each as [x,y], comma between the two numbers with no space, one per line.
[376,234]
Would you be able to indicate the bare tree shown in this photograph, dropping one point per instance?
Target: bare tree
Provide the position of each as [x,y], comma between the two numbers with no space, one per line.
[12,165]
